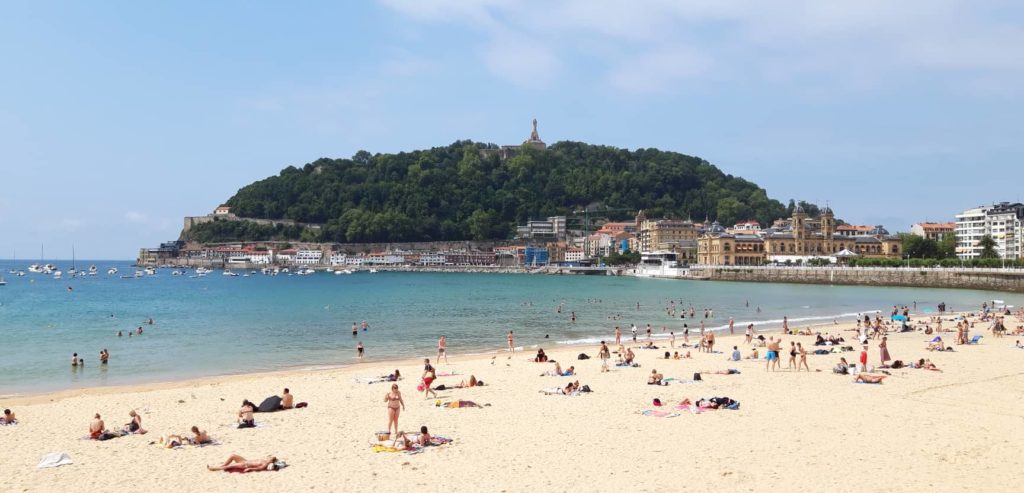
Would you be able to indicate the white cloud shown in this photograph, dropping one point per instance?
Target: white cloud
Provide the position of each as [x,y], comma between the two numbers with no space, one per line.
[649,45]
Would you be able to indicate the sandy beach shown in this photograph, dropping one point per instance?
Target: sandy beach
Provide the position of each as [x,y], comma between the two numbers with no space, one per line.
[958,429]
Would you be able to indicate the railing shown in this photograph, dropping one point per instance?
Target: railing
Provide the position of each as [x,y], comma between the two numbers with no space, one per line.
[973,270]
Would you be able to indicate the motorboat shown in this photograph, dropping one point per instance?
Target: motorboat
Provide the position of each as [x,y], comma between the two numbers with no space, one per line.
[305,272]
[57,274]
[229,273]
[139,273]
[176,273]
[111,271]
[92,270]
[201,271]
[150,271]
[20,273]
[373,271]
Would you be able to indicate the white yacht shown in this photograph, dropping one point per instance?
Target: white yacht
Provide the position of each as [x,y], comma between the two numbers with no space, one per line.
[227,272]
[2,282]
[150,271]
[20,273]
[202,271]
[111,271]
[373,271]
[92,270]
[36,268]
[139,273]
[57,274]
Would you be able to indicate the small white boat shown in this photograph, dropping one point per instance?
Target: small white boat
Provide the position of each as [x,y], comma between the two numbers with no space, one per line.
[150,271]
[202,271]
[92,270]
[229,273]
[20,273]
[2,282]
[36,268]
[373,271]
[57,274]
[111,271]
[139,273]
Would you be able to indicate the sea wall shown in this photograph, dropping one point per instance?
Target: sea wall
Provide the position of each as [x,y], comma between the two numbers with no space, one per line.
[985,279]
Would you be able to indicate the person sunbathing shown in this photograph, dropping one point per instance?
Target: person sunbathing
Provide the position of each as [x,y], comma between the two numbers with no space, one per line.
[842,368]
[135,425]
[730,371]
[687,355]
[245,417]
[237,463]
[461,403]
[171,441]
[96,428]
[650,345]
[425,438]
[936,344]
[655,378]
[8,418]
[630,356]
[753,354]
[199,437]
[926,364]
[868,378]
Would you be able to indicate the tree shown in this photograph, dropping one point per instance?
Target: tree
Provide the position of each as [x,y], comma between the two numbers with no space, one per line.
[947,246]
[988,247]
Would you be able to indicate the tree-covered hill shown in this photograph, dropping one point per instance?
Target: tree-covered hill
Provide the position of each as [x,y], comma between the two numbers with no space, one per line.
[458,192]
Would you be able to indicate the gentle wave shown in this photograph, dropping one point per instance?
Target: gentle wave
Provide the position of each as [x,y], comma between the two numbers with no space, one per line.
[739,327]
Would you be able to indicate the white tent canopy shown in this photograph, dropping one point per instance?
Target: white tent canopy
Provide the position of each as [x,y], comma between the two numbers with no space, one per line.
[846,253]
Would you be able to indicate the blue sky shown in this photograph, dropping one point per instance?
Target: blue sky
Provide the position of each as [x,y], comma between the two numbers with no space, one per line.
[119,118]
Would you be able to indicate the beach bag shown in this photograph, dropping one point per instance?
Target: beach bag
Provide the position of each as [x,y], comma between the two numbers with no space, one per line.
[440,387]
[696,377]
[585,388]
[583,356]
[897,364]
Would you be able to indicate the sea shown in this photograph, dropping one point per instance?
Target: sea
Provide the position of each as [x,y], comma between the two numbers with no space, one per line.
[219,325]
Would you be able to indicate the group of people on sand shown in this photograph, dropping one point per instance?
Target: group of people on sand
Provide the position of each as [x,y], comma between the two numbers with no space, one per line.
[98,429]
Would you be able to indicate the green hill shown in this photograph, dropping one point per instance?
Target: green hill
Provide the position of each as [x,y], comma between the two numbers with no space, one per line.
[461,192]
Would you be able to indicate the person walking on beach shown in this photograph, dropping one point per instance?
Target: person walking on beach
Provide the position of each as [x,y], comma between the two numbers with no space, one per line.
[618,336]
[749,333]
[785,325]
[883,351]
[731,331]
[672,339]
[792,356]
[633,329]
[773,354]
[511,345]
[803,357]
[359,350]
[442,347]
[429,375]
[605,354]
[394,400]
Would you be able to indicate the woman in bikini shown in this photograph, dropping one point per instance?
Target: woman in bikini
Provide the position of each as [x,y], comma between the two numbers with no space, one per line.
[394,400]
[803,357]
[792,356]
[135,425]
[237,463]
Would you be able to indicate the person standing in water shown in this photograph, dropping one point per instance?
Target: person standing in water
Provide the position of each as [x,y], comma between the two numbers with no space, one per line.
[511,343]
[355,329]
[618,336]
[442,347]
[731,322]
[359,350]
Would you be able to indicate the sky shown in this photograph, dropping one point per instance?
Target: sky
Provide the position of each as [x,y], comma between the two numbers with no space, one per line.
[119,118]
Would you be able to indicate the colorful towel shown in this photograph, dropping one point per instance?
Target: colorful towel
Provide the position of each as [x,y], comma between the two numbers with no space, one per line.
[416,448]
[659,414]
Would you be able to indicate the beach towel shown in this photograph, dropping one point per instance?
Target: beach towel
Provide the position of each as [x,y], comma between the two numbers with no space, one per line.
[416,448]
[5,423]
[654,413]
[54,459]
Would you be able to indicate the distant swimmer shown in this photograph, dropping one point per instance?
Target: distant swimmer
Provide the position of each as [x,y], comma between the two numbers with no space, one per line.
[70,289]
[74,359]
[119,334]
[355,329]
[573,317]
[365,326]
[138,331]
[149,322]
[104,356]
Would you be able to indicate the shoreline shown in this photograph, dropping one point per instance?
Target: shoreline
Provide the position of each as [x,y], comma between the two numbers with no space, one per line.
[22,398]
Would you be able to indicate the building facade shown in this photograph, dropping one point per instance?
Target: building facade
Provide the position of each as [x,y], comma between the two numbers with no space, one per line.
[933,231]
[1002,222]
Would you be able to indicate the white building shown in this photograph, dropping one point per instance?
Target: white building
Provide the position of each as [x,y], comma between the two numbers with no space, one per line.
[338,258]
[261,257]
[1002,222]
[356,261]
[432,259]
[308,257]
[573,254]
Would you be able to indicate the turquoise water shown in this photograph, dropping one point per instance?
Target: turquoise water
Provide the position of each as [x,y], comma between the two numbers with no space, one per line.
[220,325]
